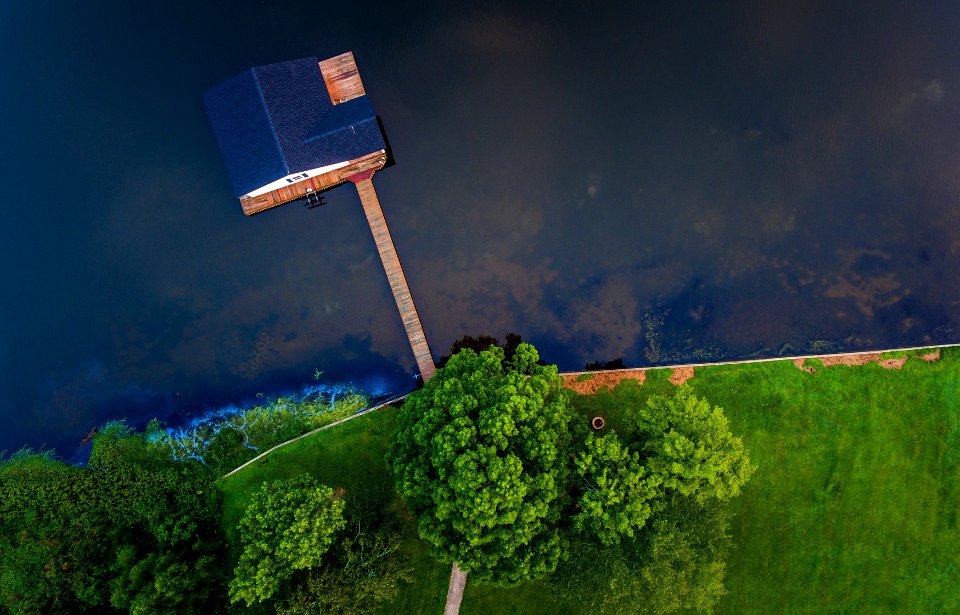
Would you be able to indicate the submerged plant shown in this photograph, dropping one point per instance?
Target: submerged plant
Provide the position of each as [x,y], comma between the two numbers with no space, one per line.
[256,427]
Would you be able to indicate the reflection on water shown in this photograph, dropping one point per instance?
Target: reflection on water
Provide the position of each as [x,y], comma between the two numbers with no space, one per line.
[663,184]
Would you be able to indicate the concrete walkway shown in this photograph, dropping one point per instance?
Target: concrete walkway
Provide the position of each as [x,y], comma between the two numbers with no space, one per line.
[458,581]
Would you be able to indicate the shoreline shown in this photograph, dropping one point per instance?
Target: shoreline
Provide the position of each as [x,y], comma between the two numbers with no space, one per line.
[685,371]
[681,373]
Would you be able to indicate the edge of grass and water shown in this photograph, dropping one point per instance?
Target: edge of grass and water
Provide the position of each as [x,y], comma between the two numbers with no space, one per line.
[312,432]
[853,507]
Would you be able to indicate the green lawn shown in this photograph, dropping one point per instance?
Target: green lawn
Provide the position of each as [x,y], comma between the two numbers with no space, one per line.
[853,507]
[349,456]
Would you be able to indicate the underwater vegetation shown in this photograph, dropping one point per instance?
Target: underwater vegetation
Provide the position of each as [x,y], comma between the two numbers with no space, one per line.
[226,437]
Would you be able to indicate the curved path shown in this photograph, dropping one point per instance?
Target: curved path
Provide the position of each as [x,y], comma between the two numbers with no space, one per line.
[317,430]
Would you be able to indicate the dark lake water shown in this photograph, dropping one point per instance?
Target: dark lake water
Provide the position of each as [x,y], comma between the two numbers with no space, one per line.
[663,182]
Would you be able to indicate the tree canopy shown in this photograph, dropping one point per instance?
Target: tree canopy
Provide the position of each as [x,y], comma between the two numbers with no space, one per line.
[618,494]
[133,531]
[501,476]
[689,445]
[288,526]
[655,500]
[676,561]
[480,454]
[501,473]
[482,342]
[365,570]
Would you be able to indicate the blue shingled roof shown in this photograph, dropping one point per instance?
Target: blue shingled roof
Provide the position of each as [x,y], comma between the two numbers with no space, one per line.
[275,120]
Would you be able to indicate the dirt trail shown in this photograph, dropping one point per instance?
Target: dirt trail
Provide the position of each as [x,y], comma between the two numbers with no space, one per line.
[683,373]
[863,359]
[611,379]
[602,379]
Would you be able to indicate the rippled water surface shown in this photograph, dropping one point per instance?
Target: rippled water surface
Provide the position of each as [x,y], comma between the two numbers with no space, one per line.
[668,182]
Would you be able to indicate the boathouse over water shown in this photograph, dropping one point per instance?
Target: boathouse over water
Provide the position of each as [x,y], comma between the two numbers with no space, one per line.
[290,130]
[294,128]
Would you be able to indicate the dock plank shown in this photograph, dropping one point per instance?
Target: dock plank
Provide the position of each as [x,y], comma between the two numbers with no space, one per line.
[395,275]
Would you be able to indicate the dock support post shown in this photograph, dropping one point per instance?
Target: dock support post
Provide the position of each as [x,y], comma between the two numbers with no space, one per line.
[391,264]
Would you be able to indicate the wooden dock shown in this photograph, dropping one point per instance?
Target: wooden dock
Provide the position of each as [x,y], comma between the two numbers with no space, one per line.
[391,264]
[342,78]
[312,185]
[360,172]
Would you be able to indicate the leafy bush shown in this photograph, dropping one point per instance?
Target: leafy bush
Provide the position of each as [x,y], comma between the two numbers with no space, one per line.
[134,531]
[289,526]
[365,571]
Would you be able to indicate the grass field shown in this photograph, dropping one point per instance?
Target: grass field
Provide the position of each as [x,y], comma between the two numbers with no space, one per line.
[853,507]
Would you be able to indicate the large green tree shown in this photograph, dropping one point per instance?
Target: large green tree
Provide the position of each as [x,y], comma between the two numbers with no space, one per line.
[288,526]
[481,456]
